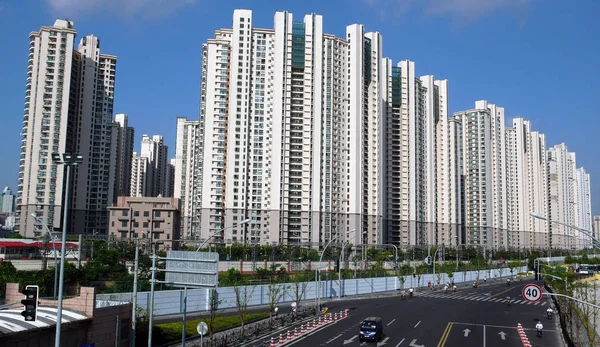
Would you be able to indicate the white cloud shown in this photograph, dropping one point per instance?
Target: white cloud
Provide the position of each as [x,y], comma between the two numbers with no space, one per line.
[466,10]
[127,9]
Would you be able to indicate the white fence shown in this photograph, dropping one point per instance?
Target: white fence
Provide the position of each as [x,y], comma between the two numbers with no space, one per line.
[169,302]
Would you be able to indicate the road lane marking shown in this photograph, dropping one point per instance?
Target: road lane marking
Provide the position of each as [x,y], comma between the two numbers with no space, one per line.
[416,325]
[444,337]
[497,326]
[484,336]
[333,339]
[502,292]
[392,321]
[399,343]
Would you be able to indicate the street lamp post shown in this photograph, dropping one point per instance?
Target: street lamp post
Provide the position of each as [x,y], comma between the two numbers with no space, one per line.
[68,160]
[222,230]
[318,296]
[53,250]
[581,230]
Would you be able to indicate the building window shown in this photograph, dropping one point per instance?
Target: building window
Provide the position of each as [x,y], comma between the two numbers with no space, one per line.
[124,213]
[136,213]
[146,213]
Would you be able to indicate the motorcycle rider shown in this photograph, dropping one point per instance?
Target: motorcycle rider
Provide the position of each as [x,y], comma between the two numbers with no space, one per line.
[539,327]
[549,312]
[410,292]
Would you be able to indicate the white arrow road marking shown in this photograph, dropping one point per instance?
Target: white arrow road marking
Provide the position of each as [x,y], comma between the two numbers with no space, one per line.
[399,343]
[392,321]
[467,331]
[379,344]
[350,340]
[417,324]
[413,343]
[333,338]
[502,335]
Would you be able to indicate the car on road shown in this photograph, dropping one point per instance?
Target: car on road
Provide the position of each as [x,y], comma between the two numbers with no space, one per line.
[371,329]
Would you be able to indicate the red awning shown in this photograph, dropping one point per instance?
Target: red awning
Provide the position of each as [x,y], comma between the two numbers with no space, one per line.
[38,244]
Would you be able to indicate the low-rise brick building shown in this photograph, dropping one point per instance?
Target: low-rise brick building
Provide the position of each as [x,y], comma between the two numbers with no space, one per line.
[156,220]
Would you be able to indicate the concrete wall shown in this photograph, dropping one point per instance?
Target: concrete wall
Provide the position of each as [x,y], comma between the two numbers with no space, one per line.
[169,302]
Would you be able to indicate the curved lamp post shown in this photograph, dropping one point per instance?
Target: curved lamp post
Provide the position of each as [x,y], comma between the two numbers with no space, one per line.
[222,230]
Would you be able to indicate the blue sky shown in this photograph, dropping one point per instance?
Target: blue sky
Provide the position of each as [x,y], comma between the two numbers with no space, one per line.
[537,58]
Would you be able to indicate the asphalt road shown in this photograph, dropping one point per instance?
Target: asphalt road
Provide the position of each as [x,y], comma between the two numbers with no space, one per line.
[471,317]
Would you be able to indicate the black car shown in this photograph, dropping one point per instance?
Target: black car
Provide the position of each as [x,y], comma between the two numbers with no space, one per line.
[371,329]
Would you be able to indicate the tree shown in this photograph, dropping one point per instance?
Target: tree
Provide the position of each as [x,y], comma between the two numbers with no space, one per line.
[213,302]
[450,274]
[479,264]
[404,271]
[500,271]
[275,293]
[465,269]
[298,289]
[419,271]
[512,265]
[242,297]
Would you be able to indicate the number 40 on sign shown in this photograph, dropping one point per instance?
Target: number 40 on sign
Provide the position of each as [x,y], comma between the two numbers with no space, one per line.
[532,292]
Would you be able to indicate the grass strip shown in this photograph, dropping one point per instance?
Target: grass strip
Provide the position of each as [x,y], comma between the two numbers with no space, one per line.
[168,332]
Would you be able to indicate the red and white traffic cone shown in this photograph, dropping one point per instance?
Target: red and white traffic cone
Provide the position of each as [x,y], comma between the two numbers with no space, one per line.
[314,324]
[272,342]
[281,339]
[301,329]
[308,327]
[346,313]
[295,332]
[288,336]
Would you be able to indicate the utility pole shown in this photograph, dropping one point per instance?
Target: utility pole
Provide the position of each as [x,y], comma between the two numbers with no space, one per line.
[135,291]
[340,271]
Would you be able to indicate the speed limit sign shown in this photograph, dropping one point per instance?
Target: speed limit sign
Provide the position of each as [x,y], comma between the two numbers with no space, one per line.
[532,293]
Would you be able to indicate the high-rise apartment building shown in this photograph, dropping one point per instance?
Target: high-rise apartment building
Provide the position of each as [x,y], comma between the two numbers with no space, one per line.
[414,107]
[365,117]
[583,206]
[124,137]
[482,152]
[596,227]
[526,186]
[157,153]
[7,201]
[140,167]
[304,137]
[170,178]
[187,181]
[263,98]
[68,109]
[561,191]
[447,171]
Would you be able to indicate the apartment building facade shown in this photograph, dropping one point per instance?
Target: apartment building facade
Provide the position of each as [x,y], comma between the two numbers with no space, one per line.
[124,135]
[68,109]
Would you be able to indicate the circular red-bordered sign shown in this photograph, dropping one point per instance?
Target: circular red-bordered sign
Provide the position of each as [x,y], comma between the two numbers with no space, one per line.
[532,292]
